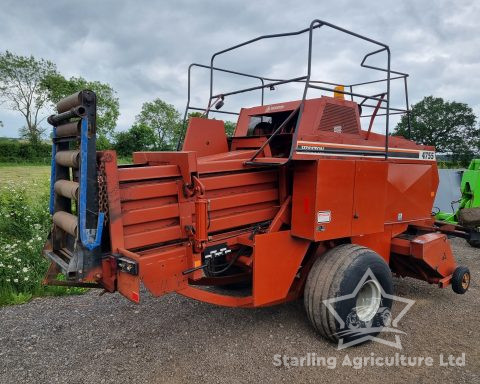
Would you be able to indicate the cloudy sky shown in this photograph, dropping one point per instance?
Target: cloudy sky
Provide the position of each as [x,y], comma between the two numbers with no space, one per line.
[143,48]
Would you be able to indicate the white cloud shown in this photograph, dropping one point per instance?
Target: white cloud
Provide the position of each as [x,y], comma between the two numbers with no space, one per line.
[143,49]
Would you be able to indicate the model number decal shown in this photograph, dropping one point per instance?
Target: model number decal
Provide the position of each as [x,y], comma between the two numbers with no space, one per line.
[324,217]
[427,155]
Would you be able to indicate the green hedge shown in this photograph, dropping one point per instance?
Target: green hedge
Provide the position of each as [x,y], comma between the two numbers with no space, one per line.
[16,151]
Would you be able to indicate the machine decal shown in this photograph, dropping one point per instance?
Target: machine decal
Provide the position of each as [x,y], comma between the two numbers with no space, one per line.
[427,155]
[272,108]
[331,149]
[324,217]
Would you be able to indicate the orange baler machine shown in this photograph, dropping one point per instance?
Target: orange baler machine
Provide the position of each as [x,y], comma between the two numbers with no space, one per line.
[300,190]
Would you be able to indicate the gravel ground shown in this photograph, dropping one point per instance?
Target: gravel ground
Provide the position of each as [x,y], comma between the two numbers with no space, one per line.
[103,339]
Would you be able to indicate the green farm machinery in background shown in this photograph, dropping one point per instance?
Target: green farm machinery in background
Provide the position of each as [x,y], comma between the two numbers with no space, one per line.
[468,212]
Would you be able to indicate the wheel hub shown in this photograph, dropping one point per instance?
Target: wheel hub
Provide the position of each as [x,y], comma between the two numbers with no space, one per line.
[368,300]
[466,281]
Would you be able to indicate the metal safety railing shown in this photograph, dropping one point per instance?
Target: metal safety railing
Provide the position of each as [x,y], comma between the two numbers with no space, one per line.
[266,82]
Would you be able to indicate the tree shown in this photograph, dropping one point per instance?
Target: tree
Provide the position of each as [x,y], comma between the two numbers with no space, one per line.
[58,87]
[20,89]
[138,138]
[449,126]
[163,120]
[230,128]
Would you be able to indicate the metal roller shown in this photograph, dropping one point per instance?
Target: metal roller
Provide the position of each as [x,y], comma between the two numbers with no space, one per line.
[67,222]
[67,188]
[69,158]
[79,111]
[69,102]
[69,129]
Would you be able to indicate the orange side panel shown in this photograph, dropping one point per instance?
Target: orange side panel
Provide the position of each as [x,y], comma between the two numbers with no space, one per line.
[410,192]
[206,137]
[323,199]
[370,197]
[162,272]
[379,242]
[434,249]
[132,191]
[129,286]
[148,172]
[276,261]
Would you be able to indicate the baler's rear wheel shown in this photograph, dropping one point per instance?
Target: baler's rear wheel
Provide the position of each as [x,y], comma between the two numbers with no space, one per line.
[356,284]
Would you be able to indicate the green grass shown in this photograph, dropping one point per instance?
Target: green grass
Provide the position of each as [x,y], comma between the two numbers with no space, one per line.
[24,226]
[32,176]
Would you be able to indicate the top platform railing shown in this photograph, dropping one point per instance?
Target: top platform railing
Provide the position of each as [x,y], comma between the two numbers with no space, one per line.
[382,99]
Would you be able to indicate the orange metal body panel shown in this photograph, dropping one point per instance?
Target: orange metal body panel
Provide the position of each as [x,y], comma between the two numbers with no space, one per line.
[411,191]
[275,268]
[369,197]
[428,257]
[323,186]
[159,271]
[434,249]
[148,172]
[185,161]
[215,298]
[205,137]
[381,242]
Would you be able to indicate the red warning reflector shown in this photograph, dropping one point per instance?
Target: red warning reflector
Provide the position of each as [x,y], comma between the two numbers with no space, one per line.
[135,297]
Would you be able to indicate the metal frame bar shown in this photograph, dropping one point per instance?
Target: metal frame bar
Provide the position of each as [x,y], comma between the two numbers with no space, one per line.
[84,236]
[309,83]
[188,107]
[53,172]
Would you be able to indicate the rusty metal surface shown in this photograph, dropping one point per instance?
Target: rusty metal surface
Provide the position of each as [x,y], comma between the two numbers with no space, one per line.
[67,188]
[66,221]
[69,129]
[68,158]
[69,102]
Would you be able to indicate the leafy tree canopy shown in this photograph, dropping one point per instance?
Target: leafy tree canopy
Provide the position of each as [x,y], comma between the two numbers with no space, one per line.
[449,126]
[164,122]
[21,89]
[138,138]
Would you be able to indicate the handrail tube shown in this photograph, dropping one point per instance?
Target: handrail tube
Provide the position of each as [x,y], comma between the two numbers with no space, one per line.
[346,92]
[258,87]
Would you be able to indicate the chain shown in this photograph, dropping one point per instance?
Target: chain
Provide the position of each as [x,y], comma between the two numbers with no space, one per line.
[102,189]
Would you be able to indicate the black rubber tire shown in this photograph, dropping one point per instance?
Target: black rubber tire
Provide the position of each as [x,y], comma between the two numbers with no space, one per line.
[474,243]
[337,273]
[458,284]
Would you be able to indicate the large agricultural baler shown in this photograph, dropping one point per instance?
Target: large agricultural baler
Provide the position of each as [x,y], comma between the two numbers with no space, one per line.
[301,201]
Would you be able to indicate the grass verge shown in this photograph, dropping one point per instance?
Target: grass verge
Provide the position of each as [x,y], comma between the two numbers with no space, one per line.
[24,226]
